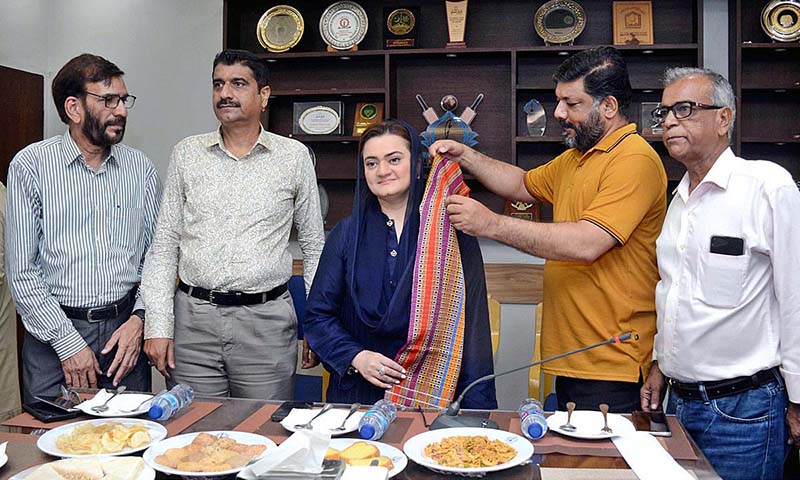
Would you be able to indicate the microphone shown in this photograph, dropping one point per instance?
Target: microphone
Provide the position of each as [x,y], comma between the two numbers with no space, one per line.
[451,418]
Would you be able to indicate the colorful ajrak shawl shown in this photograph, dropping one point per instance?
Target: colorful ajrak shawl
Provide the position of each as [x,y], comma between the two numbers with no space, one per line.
[432,355]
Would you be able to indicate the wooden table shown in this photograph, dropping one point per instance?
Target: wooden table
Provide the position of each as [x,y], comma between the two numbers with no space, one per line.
[233,413]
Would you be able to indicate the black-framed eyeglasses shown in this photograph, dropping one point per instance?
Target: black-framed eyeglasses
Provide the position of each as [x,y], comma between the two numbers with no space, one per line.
[681,110]
[112,101]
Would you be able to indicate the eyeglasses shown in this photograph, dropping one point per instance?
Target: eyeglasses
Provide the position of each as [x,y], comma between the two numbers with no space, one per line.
[681,110]
[112,101]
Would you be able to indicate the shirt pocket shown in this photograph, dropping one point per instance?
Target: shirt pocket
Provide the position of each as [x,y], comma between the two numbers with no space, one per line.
[125,228]
[721,279]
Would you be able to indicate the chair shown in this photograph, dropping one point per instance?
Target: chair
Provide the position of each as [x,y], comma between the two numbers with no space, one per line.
[540,385]
[494,323]
[309,388]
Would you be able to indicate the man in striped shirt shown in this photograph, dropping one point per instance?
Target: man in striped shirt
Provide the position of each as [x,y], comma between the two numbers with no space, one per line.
[81,213]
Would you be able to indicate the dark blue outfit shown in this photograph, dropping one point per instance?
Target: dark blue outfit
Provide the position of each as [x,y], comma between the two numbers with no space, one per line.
[361,296]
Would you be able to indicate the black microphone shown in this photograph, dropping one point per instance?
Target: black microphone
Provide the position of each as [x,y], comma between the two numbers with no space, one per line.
[451,418]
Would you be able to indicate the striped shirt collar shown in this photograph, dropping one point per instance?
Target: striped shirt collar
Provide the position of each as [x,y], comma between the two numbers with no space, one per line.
[71,152]
[216,140]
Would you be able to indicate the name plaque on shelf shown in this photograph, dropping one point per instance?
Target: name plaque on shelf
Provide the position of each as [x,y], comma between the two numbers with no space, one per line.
[633,23]
[317,118]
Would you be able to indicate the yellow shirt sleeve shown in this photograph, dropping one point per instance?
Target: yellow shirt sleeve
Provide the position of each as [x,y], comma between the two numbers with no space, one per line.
[541,181]
[630,185]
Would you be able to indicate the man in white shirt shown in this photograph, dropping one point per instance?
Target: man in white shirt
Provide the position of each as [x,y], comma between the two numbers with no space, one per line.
[728,342]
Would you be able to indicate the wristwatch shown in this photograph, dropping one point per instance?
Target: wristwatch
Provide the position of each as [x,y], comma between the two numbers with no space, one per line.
[139,313]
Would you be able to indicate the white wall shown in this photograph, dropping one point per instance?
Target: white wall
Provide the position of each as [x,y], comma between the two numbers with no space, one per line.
[23,34]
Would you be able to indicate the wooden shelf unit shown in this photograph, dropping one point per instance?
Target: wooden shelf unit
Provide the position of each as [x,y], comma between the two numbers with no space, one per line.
[504,59]
[766,79]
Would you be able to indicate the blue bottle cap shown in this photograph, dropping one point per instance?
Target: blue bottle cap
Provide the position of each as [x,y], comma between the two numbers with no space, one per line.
[366,431]
[155,412]
[535,430]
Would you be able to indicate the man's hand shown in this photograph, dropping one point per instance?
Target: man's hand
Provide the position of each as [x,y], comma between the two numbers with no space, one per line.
[377,369]
[81,369]
[651,392]
[128,339]
[470,216]
[309,358]
[793,419]
[161,353]
[448,148]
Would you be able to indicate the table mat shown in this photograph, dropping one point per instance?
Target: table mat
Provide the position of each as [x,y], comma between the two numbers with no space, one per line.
[252,423]
[677,445]
[587,474]
[194,412]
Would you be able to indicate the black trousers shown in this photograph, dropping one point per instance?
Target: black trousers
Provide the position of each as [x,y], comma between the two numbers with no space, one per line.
[621,397]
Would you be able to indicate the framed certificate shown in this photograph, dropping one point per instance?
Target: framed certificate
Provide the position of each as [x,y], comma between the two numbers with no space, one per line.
[317,118]
[633,23]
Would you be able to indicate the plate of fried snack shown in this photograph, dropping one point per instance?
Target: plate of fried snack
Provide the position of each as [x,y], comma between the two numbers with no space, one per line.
[468,450]
[207,454]
[356,452]
[90,468]
[101,437]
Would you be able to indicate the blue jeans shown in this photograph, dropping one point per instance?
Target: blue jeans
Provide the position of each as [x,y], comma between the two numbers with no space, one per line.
[744,436]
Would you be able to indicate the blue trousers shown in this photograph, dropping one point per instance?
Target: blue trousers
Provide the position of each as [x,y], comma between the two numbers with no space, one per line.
[744,435]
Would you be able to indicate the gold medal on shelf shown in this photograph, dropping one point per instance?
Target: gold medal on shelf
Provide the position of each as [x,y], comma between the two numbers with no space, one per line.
[780,19]
[280,28]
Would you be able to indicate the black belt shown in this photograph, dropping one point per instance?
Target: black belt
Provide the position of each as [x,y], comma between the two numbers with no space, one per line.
[723,388]
[217,297]
[99,314]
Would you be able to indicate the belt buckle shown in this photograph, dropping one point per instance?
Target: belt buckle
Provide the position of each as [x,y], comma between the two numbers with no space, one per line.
[211,297]
[89,317]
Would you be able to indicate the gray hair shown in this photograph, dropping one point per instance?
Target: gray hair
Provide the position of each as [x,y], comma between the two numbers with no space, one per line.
[721,91]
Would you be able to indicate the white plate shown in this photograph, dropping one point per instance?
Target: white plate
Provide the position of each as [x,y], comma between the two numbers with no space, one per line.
[118,406]
[146,474]
[399,460]
[415,448]
[157,449]
[589,423]
[325,423]
[47,442]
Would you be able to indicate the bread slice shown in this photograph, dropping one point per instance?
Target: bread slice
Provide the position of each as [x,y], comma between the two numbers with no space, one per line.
[333,454]
[44,472]
[382,461]
[123,468]
[86,468]
[359,450]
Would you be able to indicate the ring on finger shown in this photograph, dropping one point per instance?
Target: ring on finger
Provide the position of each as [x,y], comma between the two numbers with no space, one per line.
[382,370]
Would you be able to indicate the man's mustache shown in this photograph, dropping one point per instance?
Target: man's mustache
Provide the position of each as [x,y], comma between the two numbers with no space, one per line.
[566,124]
[223,103]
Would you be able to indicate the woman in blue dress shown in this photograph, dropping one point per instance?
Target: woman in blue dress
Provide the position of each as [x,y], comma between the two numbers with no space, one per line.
[357,313]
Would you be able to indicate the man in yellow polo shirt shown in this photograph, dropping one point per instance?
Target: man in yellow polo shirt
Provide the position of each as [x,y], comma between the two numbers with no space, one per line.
[609,199]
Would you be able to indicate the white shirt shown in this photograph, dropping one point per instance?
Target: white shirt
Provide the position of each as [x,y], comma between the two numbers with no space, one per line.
[723,316]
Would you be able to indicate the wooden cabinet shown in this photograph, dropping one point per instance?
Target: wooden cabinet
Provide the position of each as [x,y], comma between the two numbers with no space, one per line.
[766,76]
[504,59]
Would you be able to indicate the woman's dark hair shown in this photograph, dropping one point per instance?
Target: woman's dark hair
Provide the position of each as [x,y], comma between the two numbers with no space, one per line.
[71,80]
[385,127]
[249,60]
[604,74]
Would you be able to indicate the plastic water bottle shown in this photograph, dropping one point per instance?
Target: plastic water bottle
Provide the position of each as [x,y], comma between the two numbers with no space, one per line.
[377,419]
[167,404]
[532,420]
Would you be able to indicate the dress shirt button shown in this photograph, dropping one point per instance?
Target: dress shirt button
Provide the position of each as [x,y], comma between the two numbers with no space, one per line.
[393,253]
[682,248]
[390,223]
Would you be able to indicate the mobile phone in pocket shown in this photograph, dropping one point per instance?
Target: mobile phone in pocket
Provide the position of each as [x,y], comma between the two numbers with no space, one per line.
[286,407]
[654,423]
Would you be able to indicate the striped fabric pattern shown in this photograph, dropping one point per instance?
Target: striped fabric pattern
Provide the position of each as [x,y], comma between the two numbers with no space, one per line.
[432,355]
[74,236]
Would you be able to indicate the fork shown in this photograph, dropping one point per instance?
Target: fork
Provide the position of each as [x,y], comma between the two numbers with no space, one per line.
[353,409]
[604,410]
[145,401]
[568,427]
[307,425]
[104,407]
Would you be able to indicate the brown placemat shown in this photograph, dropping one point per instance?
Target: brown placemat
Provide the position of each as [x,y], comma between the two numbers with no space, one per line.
[27,420]
[256,419]
[677,445]
[193,413]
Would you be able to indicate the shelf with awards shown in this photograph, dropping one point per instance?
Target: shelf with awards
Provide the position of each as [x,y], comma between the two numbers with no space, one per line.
[765,72]
[503,61]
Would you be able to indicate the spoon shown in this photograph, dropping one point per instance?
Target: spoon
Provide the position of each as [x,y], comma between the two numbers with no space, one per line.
[353,409]
[604,409]
[104,407]
[568,427]
[307,425]
[136,409]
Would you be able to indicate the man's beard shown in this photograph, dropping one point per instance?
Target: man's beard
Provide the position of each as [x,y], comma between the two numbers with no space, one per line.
[97,133]
[587,134]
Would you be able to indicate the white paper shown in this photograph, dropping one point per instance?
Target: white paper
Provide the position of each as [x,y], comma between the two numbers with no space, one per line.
[327,421]
[365,473]
[648,459]
[3,449]
[303,452]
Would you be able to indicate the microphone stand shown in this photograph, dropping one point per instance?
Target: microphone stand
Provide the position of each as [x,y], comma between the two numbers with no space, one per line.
[451,418]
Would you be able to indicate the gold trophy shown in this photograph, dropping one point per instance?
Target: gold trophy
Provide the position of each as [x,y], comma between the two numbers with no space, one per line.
[456,22]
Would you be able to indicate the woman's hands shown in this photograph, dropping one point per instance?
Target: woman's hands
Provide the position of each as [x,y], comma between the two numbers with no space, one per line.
[377,369]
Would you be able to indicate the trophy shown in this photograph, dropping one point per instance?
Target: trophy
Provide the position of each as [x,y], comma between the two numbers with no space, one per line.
[317,118]
[536,119]
[449,126]
[780,19]
[343,26]
[650,126]
[633,23]
[401,28]
[367,113]
[559,21]
[456,22]
[280,28]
